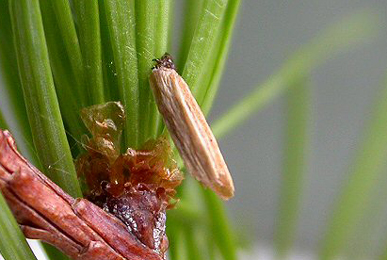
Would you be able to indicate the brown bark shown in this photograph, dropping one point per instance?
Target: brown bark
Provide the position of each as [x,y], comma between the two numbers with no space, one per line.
[44,211]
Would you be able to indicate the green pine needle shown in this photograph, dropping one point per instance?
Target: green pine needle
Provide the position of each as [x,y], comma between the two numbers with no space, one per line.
[63,76]
[145,40]
[351,30]
[63,14]
[13,244]
[11,89]
[121,20]
[203,41]
[192,10]
[3,124]
[216,64]
[40,97]
[296,142]
[162,45]
[87,12]
[364,175]
[223,235]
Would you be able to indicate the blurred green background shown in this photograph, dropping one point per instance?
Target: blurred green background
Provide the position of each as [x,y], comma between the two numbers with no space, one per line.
[342,94]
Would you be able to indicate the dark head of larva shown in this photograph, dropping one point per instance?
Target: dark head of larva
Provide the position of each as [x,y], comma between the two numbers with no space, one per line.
[165,61]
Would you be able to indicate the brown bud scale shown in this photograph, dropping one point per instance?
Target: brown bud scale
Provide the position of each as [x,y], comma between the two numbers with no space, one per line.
[77,227]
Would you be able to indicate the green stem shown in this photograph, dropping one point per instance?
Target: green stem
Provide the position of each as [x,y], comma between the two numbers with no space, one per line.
[293,167]
[121,23]
[90,41]
[40,97]
[13,244]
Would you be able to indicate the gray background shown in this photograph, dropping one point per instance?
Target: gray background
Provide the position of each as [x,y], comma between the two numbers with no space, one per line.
[267,33]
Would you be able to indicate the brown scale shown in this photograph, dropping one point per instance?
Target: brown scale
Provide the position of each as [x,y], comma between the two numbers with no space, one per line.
[137,186]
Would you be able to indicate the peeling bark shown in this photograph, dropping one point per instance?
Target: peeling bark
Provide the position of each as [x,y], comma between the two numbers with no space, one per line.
[44,211]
